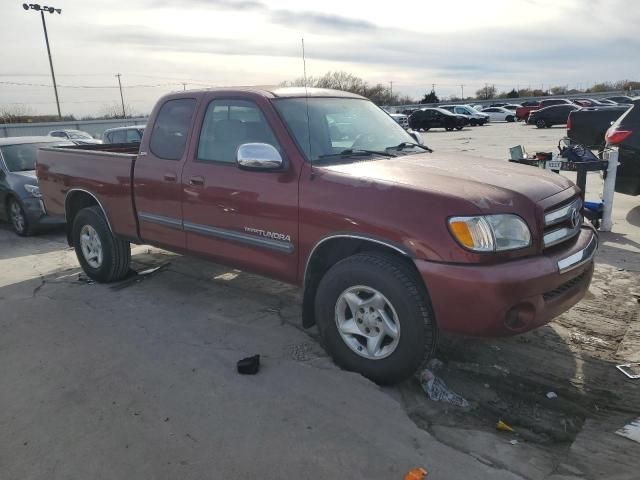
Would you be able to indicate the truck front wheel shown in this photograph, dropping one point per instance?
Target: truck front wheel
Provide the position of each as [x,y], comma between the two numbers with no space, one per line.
[375,318]
[103,256]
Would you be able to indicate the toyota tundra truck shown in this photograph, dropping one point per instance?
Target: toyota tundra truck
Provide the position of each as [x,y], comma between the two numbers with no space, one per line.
[391,242]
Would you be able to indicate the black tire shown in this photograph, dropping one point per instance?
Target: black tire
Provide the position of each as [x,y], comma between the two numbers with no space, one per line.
[510,119]
[473,122]
[116,253]
[426,129]
[541,123]
[448,129]
[20,227]
[404,289]
[459,127]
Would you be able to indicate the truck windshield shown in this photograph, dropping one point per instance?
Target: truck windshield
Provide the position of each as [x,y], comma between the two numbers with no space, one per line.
[340,125]
[22,158]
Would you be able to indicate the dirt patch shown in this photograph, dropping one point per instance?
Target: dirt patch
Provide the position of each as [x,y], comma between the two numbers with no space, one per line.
[574,357]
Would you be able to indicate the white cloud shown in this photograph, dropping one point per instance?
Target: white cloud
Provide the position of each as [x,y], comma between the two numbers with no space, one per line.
[240,42]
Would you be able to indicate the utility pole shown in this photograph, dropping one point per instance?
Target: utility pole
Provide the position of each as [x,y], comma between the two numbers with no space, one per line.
[38,8]
[391,88]
[462,92]
[124,115]
[184,86]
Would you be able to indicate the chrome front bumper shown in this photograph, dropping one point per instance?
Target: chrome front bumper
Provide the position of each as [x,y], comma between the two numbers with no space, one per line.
[580,257]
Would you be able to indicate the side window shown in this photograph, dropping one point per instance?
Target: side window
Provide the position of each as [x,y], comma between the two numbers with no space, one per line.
[228,124]
[460,110]
[132,136]
[57,134]
[171,128]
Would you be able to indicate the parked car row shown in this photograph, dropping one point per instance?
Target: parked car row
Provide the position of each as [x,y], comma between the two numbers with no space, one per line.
[131,134]
[524,111]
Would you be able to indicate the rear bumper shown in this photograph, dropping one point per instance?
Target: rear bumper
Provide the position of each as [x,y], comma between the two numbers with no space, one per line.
[512,297]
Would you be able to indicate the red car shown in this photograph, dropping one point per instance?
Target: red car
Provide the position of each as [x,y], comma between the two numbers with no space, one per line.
[390,242]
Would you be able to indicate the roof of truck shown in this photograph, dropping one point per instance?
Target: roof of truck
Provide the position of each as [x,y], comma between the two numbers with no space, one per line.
[283,92]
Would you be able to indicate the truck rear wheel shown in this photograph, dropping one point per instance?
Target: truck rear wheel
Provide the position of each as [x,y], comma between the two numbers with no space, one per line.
[375,318]
[103,256]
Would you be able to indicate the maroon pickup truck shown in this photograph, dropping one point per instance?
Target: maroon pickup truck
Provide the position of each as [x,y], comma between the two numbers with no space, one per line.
[391,242]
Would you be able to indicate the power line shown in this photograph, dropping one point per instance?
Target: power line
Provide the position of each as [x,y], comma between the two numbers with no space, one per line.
[26,84]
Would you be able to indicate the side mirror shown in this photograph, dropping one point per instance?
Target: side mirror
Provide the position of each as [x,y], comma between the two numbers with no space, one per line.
[417,137]
[258,156]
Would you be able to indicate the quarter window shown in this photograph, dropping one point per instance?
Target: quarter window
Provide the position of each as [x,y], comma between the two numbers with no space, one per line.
[228,124]
[171,128]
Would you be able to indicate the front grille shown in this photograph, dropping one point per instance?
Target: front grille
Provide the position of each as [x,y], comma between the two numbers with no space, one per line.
[556,292]
[562,222]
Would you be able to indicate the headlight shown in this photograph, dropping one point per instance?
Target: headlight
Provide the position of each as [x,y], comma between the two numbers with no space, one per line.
[491,233]
[33,190]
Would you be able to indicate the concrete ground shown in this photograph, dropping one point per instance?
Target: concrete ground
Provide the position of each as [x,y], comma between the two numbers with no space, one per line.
[137,380]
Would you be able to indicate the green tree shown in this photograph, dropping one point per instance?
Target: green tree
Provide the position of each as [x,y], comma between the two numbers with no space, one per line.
[430,97]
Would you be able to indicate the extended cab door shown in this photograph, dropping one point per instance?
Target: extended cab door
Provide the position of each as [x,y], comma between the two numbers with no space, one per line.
[242,218]
[158,169]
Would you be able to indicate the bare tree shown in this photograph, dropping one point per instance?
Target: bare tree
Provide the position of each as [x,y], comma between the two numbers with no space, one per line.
[487,92]
[18,113]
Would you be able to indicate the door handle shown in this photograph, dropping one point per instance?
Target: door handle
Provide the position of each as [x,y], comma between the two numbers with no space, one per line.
[170,177]
[196,181]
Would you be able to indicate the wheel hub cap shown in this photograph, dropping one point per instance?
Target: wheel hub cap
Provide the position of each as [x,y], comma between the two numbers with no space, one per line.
[367,322]
[16,217]
[91,246]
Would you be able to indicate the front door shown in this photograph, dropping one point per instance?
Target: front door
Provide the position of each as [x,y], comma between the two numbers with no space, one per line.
[158,170]
[243,218]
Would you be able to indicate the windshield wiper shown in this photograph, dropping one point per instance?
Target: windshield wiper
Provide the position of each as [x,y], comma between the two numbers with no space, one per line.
[404,145]
[360,152]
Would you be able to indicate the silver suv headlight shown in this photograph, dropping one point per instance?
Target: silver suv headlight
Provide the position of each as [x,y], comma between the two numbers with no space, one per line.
[490,233]
[33,190]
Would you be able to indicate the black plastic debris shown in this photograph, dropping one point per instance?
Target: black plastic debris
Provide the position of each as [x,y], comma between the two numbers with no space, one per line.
[249,365]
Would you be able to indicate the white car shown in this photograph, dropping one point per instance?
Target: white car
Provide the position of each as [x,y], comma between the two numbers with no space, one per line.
[512,106]
[401,119]
[500,114]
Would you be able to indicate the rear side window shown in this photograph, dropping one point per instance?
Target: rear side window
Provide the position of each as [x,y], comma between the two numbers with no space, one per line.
[227,125]
[171,128]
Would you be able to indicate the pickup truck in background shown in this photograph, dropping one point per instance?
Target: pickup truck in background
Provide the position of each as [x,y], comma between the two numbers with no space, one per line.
[390,242]
[587,126]
[522,113]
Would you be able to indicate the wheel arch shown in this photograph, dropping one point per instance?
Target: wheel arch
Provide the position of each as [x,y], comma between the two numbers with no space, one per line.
[330,250]
[75,200]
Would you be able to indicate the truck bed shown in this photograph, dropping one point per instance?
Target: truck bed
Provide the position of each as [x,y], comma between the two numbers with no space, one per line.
[106,171]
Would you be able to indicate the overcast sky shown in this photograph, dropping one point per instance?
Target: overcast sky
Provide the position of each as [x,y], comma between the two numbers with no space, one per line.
[158,44]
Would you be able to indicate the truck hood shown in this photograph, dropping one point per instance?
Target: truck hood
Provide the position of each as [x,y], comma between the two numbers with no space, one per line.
[482,181]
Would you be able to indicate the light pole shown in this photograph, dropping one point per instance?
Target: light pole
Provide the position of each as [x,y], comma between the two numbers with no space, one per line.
[38,8]
[124,115]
